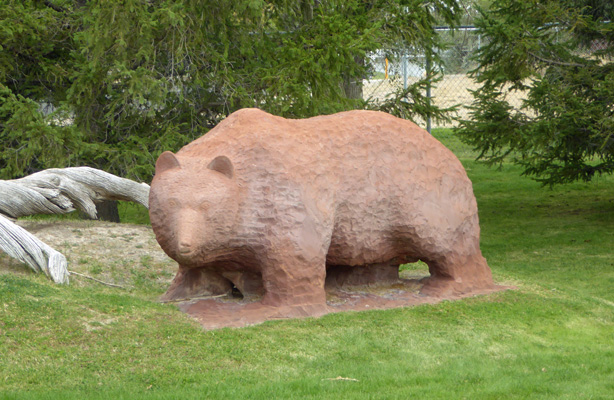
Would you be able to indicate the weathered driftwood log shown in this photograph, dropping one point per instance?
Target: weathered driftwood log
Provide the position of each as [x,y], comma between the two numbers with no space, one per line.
[60,191]
[57,191]
[25,247]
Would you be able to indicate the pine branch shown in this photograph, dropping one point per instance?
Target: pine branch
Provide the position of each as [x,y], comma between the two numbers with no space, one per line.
[54,7]
[554,62]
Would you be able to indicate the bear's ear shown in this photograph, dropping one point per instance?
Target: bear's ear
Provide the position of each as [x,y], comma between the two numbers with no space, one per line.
[166,161]
[223,165]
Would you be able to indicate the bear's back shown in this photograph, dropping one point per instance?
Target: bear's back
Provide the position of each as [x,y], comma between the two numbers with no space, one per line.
[351,146]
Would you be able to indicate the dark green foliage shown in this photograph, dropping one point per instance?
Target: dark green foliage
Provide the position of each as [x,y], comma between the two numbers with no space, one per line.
[35,68]
[127,79]
[558,54]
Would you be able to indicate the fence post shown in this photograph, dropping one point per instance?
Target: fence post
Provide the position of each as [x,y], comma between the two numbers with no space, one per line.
[404,57]
[428,90]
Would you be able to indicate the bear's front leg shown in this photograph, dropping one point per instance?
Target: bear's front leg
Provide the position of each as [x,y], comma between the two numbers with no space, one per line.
[294,283]
[196,282]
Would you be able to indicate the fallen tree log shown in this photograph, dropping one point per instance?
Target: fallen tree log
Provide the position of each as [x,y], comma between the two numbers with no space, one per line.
[25,247]
[60,191]
[57,191]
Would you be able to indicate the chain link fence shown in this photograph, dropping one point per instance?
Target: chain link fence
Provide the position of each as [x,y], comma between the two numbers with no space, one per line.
[454,89]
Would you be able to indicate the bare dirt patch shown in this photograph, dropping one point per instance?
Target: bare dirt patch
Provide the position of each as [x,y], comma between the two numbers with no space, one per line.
[121,254]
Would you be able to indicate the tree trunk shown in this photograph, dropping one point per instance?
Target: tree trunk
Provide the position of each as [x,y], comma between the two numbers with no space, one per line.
[106,210]
[352,85]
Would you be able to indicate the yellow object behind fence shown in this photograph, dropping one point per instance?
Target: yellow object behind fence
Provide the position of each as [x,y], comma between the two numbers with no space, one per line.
[386,68]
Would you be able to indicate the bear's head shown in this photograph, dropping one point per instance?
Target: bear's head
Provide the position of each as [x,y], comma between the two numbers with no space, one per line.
[194,206]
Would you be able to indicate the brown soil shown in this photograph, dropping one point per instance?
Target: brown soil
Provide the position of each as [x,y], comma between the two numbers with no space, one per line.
[122,253]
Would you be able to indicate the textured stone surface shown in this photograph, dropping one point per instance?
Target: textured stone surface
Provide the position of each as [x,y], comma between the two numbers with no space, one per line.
[286,209]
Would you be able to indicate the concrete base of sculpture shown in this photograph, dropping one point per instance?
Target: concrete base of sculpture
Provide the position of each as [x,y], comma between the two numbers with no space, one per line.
[235,312]
[286,211]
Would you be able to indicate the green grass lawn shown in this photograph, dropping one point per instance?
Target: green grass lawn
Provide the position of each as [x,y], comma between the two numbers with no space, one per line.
[552,338]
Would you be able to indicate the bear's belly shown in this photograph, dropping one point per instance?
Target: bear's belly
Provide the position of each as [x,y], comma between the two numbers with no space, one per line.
[357,250]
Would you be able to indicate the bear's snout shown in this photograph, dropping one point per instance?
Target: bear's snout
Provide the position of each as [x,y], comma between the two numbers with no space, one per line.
[184,247]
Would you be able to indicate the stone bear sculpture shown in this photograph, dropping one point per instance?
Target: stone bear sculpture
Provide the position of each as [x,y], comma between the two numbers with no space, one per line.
[280,208]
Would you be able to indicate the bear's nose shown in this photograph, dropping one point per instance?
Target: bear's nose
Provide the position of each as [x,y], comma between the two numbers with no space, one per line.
[184,248]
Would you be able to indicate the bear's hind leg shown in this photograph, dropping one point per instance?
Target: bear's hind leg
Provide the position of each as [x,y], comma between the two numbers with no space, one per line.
[457,274]
[196,282]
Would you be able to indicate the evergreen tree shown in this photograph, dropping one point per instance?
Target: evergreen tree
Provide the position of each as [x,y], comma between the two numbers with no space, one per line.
[127,79]
[558,54]
[35,74]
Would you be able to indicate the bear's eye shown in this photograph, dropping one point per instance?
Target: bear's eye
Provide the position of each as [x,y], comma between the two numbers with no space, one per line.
[173,203]
[205,205]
